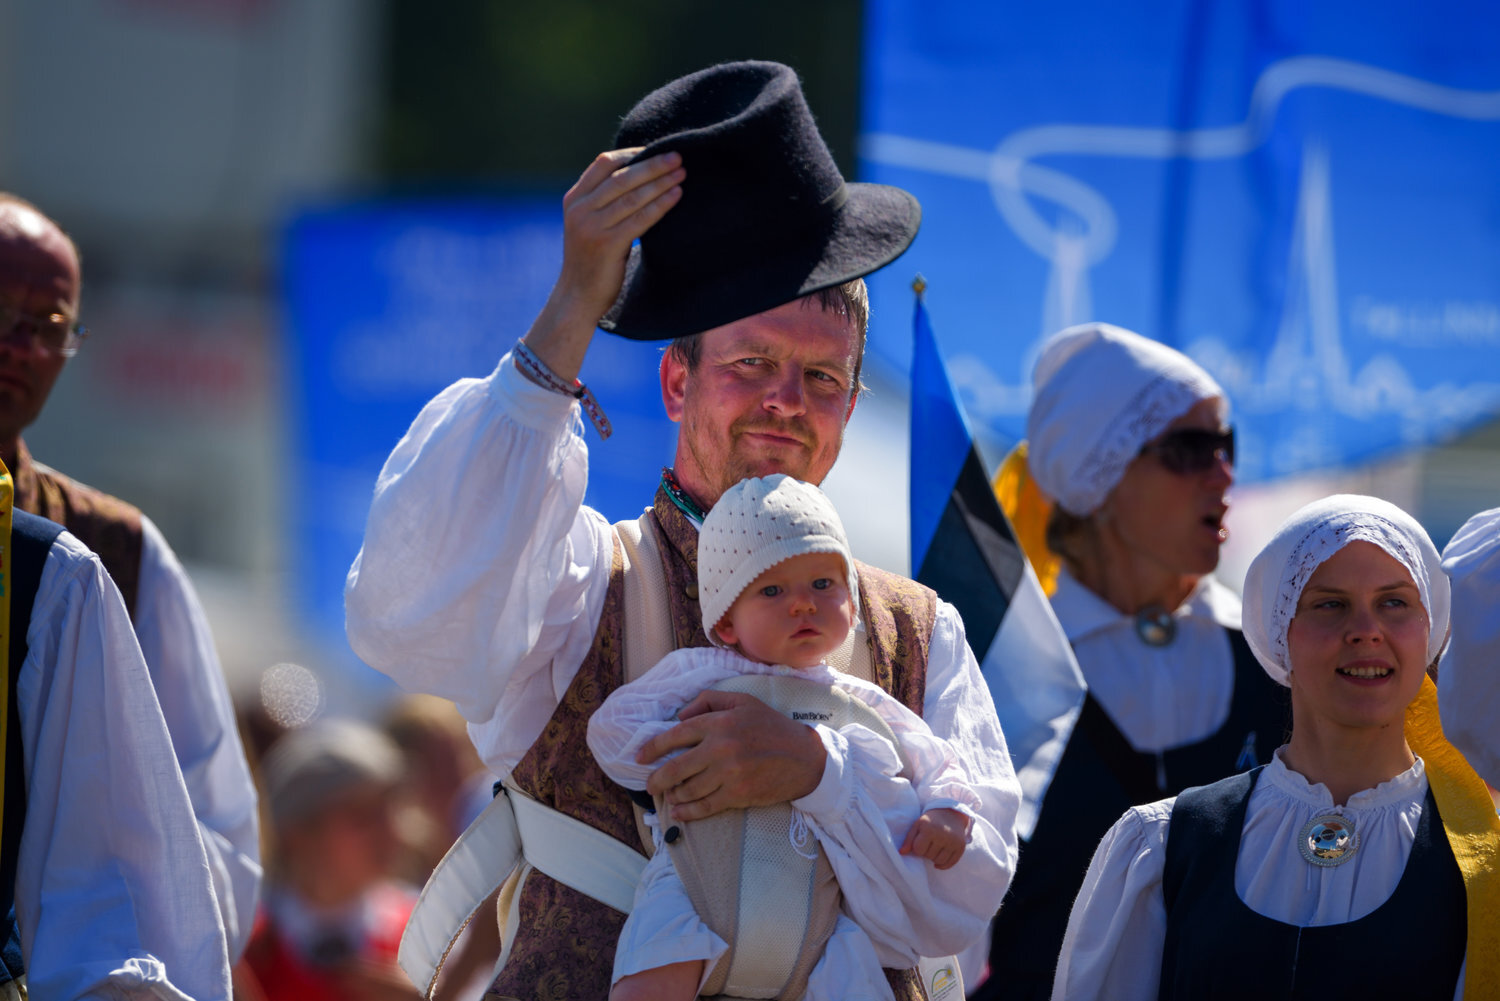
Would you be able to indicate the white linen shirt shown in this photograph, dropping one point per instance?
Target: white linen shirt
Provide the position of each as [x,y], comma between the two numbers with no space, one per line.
[1117,930]
[179,649]
[899,900]
[114,896]
[1159,696]
[483,577]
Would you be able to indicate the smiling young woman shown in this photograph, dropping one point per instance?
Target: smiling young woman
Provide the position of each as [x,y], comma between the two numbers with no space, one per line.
[1358,645]
[1264,884]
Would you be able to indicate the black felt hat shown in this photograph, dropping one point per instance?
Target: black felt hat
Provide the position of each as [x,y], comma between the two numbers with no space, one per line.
[764,218]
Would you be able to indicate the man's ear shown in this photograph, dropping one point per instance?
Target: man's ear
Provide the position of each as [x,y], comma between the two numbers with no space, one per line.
[674,376]
[853,399]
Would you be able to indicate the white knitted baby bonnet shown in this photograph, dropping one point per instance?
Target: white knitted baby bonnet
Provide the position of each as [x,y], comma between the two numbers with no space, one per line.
[757,524]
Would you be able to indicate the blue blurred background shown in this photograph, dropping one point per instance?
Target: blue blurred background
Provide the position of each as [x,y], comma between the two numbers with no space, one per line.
[299,220]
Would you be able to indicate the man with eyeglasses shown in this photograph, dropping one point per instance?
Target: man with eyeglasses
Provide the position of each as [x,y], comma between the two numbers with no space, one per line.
[40,281]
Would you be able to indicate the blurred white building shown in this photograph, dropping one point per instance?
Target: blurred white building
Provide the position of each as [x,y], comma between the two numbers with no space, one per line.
[172,138]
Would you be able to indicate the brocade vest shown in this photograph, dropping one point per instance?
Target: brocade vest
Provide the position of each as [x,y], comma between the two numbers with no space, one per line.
[1099,777]
[565,940]
[107,525]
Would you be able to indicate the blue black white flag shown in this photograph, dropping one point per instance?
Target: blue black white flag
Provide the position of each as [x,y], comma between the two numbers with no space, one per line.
[963,547]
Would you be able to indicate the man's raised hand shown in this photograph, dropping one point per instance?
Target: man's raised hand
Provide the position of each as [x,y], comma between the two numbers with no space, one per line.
[610,206]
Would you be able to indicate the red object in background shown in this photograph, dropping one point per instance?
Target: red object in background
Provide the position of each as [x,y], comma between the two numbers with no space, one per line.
[276,971]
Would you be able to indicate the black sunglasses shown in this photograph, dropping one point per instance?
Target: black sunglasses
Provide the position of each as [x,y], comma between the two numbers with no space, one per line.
[1192,450]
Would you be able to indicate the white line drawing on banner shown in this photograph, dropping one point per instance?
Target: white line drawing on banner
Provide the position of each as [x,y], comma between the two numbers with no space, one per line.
[1309,331]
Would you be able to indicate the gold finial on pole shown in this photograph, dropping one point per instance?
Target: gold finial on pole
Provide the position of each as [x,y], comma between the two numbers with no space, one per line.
[919,284]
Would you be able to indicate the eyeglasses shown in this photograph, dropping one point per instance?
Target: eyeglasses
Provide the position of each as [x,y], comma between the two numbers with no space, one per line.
[54,333]
[1192,450]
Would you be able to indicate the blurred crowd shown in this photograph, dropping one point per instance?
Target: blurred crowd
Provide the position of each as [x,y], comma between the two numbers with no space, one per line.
[354,817]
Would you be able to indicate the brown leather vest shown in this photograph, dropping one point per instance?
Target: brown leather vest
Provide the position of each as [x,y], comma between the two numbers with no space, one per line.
[107,525]
[565,940]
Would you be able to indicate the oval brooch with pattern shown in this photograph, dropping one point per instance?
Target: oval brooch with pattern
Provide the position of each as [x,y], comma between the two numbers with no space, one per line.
[1328,840]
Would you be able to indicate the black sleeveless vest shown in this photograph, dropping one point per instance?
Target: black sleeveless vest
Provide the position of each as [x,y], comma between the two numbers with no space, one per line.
[1099,778]
[1410,947]
[30,538]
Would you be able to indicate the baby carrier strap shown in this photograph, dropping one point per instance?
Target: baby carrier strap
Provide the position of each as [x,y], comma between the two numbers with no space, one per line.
[778,906]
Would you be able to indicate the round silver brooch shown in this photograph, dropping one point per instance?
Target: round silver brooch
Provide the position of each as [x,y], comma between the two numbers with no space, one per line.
[1328,840]
[1155,625]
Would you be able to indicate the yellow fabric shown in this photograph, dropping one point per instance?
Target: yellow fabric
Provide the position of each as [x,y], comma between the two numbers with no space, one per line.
[7,500]
[1474,833]
[1028,512]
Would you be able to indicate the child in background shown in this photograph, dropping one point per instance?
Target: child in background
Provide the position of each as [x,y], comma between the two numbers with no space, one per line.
[779,593]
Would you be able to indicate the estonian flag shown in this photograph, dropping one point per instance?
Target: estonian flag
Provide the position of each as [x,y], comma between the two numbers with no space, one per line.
[963,547]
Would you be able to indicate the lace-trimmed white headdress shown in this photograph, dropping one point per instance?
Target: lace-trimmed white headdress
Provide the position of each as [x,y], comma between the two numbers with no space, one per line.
[755,525]
[1281,570]
[1101,393]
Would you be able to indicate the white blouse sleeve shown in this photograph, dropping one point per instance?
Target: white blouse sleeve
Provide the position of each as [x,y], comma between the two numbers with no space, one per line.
[482,576]
[113,892]
[1113,946]
[1469,677]
[179,650]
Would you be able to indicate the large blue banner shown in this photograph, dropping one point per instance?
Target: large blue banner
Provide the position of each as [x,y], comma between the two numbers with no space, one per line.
[1304,196]
[387,303]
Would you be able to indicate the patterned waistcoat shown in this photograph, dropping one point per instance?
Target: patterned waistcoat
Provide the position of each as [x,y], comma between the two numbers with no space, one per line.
[565,941]
[107,525]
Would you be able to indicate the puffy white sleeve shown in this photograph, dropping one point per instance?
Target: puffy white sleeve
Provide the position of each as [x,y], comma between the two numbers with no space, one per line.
[1113,946]
[635,712]
[958,708]
[482,576]
[1469,677]
[862,810]
[113,892]
[179,650]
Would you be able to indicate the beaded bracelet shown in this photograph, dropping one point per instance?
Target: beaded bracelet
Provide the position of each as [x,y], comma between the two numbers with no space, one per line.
[534,369]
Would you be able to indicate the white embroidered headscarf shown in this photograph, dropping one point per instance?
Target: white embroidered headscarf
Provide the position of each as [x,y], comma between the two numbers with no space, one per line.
[755,525]
[1101,392]
[1304,541]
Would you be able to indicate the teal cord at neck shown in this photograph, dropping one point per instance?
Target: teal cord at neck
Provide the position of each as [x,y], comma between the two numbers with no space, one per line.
[679,497]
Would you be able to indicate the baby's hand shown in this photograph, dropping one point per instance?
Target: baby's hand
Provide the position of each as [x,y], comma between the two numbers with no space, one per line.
[939,836]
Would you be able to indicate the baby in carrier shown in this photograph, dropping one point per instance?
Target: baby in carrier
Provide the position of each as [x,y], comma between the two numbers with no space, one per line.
[747,903]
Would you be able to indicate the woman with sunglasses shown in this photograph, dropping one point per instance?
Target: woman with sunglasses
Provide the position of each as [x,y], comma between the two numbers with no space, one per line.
[1130,442]
[1363,861]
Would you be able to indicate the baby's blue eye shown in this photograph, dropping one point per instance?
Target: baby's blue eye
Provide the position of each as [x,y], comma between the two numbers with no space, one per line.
[822,583]
[771,590]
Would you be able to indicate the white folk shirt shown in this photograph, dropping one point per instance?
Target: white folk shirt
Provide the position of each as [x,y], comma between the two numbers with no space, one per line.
[179,649]
[114,895]
[483,576]
[1159,696]
[1113,946]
